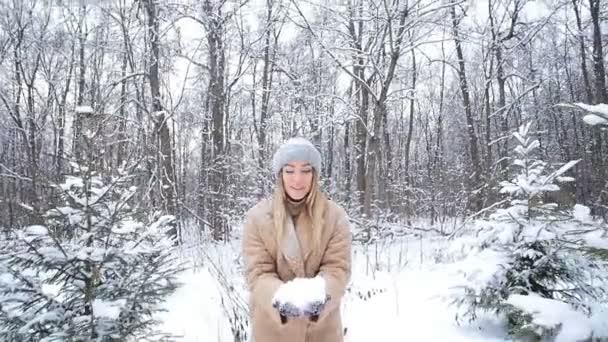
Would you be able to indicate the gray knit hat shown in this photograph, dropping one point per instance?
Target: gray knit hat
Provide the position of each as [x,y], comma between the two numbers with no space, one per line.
[296,149]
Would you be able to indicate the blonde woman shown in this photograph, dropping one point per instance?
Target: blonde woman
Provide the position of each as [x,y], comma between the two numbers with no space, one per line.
[297,236]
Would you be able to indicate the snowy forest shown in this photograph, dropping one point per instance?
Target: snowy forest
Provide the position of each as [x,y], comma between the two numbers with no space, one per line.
[467,140]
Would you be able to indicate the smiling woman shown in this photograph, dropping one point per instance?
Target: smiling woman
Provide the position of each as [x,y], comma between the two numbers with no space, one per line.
[297,179]
[297,253]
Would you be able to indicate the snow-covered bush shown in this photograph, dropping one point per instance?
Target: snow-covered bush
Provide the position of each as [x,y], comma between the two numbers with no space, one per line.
[91,273]
[533,248]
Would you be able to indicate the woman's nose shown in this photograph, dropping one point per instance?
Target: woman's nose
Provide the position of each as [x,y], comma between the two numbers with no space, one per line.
[297,177]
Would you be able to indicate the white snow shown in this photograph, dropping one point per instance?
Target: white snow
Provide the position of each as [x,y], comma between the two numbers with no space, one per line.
[600,108]
[592,119]
[395,295]
[84,109]
[582,213]
[571,325]
[109,309]
[36,230]
[301,292]
[397,292]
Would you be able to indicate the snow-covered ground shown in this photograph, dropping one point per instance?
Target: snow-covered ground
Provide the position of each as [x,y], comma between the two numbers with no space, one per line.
[395,295]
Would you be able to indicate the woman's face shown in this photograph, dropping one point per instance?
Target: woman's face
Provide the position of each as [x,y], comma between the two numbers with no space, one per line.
[297,179]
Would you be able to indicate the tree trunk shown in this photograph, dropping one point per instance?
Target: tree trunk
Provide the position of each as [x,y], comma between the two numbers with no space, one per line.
[217,103]
[160,117]
[77,130]
[266,88]
[598,54]
[583,51]
[600,97]
[475,203]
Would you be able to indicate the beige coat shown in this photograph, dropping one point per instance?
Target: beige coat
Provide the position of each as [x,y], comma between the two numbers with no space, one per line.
[269,264]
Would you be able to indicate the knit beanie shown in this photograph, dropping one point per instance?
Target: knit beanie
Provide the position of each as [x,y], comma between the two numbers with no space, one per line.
[296,149]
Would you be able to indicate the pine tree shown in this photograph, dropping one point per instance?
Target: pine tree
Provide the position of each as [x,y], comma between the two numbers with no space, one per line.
[531,238]
[92,272]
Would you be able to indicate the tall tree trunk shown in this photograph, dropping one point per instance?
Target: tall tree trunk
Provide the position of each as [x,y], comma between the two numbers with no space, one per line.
[361,93]
[408,140]
[77,131]
[347,159]
[473,145]
[269,54]
[217,102]
[410,129]
[600,97]
[502,113]
[598,54]
[160,117]
[121,147]
[583,51]
[380,110]
[59,147]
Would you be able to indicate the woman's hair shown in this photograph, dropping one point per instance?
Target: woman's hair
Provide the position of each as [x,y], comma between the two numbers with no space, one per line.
[314,206]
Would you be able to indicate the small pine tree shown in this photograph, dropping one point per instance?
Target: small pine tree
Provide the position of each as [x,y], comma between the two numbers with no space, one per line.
[91,273]
[530,237]
[530,182]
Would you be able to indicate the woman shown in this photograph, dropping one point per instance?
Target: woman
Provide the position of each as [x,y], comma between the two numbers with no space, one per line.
[298,235]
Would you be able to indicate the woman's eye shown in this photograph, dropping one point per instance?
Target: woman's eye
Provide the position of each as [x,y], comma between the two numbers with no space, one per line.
[288,171]
[307,171]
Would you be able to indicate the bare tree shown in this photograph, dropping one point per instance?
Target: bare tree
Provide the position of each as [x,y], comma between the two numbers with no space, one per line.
[160,116]
[470,124]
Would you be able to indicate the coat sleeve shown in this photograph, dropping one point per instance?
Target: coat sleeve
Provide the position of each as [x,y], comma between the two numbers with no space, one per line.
[336,265]
[260,270]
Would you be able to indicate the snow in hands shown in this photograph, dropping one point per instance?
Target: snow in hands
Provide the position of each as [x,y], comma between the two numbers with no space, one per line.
[301,298]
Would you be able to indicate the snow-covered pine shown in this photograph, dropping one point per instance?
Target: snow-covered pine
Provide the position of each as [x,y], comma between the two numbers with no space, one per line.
[93,272]
[530,241]
[530,182]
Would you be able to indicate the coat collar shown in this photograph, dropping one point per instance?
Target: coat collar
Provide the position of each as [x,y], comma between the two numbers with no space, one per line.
[296,244]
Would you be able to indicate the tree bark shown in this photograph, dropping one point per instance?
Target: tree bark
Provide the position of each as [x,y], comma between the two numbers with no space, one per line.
[160,117]
[475,203]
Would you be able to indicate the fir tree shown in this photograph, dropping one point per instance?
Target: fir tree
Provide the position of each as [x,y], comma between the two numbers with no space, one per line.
[531,238]
[92,272]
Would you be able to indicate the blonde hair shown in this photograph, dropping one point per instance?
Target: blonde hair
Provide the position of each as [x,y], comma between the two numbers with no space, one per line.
[314,207]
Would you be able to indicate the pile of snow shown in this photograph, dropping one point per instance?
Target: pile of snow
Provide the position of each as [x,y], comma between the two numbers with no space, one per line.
[301,292]
[570,325]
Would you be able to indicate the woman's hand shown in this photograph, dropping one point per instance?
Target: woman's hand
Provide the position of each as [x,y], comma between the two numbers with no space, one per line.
[287,310]
[314,309]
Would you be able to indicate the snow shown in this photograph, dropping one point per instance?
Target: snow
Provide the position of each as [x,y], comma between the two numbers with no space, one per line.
[108,309]
[395,295]
[71,181]
[36,230]
[572,325]
[592,119]
[598,114]
[399,291]
[84,110]
[301,292]
[601,109]
[582,213]
[40,318]
[51,290]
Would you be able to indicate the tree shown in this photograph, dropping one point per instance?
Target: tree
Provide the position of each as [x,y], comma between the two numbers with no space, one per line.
[476,179]
[93,271]
[160,116]
[532,242]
